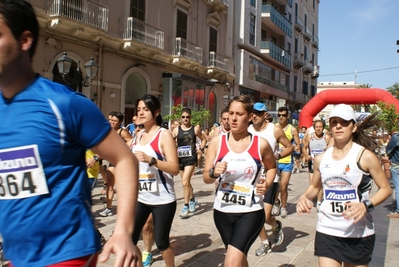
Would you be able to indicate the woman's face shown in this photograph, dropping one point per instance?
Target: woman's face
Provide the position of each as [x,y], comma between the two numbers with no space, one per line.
[144,114]
[238,117]
[342,129]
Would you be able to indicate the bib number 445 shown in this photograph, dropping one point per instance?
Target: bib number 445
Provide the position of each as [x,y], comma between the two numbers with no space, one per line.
[233,199]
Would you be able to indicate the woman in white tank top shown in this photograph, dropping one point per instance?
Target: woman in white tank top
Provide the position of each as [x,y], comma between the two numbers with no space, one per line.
[345,230]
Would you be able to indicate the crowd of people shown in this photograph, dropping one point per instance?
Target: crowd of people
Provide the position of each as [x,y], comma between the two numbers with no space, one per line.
[248,159]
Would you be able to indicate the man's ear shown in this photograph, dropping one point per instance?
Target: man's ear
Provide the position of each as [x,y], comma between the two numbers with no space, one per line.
[26,40]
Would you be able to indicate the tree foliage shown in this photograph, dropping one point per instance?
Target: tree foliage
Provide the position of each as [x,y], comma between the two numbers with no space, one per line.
[389,116]
[394,90]
[198,117]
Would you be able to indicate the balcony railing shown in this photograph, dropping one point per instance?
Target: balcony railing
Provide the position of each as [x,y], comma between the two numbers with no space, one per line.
[184,48]
[307,33]
[82,11]
[271,83]
[218,61]
[277,53]
[298,24]
[140,31]
[315,41]
[278,19]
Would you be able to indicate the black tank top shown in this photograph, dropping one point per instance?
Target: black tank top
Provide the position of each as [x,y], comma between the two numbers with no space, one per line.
[187,138]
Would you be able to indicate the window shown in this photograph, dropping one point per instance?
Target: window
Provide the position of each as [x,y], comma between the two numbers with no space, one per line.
[252,30]
[305,21]
[137,9]
[253,3]
[295,84]
[213,39]
[305,53]
[288,47]
[263,35]
[313,59]
[314,4]
[181,25]
[305,88]
[296,45]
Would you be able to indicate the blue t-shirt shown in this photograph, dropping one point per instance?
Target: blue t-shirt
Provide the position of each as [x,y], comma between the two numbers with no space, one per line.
[45,198]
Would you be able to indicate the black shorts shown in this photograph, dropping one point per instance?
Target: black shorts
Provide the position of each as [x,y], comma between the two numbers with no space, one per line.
[356,251]
[310,166]
[270,194]
[239,230]
[187,161]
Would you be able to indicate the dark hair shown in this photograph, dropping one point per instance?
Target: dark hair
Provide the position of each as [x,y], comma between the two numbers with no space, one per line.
[20,16]
[269,118]
[165,125]
[283,109]
[119,115]
[362,138]
[314,123]
[113,113]
[225,110]
[153,104]
[186,110]
[246,101]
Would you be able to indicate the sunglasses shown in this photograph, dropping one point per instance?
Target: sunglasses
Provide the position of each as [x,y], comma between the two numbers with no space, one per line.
[282,115]
[140,126]
[259,113]
[185,117]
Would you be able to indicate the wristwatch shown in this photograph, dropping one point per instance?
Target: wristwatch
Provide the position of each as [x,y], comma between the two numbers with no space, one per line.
[369,205]
[212,173]
[153,161]
[95,158]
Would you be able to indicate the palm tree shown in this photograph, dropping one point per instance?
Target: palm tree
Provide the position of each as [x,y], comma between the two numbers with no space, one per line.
[394,90]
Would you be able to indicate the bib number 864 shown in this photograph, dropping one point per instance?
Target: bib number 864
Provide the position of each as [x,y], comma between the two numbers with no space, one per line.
[233,199]
[10,184]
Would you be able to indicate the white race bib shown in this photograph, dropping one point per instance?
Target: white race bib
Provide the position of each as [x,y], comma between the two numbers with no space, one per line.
[21,173]
[235,193]
[335,199]
[148,183]
[315,152]
[184,151]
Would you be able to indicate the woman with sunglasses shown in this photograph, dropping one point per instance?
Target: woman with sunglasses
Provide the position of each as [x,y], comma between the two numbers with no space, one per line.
[157,156]
[345,229]
[235,159]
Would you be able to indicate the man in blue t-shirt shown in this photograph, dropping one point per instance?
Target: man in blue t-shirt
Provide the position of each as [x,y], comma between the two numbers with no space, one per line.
[44,188]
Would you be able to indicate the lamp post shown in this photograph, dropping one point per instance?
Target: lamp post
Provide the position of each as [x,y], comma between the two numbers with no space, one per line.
[64,64]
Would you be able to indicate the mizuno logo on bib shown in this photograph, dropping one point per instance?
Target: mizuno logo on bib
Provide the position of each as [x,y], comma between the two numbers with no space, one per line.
[184,151]
[21,173]
[335,199]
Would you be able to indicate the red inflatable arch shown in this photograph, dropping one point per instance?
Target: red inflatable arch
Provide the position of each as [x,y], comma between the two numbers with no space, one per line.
[352,96]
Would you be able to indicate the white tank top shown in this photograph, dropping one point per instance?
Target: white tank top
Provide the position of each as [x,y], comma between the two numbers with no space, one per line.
[268,134]
[235,191]
[317,145]
[155,187]
[341,182]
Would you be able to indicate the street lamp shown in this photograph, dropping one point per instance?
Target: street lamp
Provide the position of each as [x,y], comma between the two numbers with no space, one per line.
[64,64]
[226,99]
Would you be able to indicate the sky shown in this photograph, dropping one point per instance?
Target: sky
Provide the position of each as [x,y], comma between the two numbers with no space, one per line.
[359,35]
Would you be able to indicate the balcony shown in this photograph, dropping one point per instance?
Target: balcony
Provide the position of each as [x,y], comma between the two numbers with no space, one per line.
[184,49]
[307,67]
[298,60]
[275,52]
[315,72]
[82,11]
[270,83]
[307,33]
[217,61]
[315,41]
[137,30]
[298,24]
[275,20]
[218,5]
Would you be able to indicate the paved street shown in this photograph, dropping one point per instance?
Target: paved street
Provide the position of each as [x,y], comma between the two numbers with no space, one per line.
[196,241]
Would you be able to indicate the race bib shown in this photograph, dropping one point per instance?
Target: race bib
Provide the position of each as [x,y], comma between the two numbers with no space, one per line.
[148,183]
[21,173]
[335,199]
[184,151]
[315,152]
[235,194]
